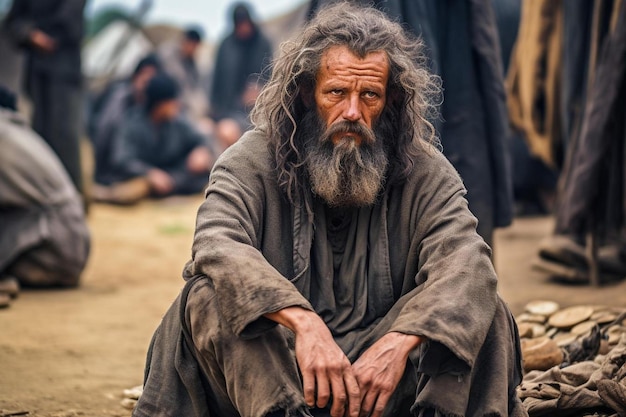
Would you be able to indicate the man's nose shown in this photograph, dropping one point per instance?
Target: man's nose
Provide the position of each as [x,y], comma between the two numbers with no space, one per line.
[352,110]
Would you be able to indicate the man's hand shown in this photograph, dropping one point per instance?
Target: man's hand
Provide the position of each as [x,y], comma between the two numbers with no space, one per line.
[41,41]
[380,369]
[325,368]
[160,181]
[199,160]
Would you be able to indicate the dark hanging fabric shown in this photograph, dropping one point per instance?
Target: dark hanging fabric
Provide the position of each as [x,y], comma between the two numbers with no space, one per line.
[594,184]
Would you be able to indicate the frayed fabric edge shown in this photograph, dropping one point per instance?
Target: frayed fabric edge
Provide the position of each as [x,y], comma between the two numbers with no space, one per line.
[422,406]
[291,411]
[418,409]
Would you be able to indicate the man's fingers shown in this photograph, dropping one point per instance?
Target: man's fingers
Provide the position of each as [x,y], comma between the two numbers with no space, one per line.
[308,385]
[323,389]
[353,393]
[367,404]
[380,404]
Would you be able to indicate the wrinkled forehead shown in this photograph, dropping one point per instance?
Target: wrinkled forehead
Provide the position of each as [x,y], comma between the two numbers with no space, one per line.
[340,61]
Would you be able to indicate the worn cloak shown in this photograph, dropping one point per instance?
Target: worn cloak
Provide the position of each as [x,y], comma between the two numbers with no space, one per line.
[42,221]
[417,266]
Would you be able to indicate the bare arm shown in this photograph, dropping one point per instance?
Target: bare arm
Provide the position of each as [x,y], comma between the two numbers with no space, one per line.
[325,368]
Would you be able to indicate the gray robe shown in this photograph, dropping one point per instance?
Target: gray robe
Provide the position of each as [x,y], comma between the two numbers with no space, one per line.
[44,238]
[413,264]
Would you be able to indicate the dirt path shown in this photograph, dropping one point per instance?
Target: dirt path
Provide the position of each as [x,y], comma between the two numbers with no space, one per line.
[71,353]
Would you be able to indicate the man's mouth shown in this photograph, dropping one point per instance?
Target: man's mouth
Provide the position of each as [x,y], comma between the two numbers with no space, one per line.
[337,138]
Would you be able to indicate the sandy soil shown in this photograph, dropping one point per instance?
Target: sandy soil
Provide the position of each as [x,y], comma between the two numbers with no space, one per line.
[72,352]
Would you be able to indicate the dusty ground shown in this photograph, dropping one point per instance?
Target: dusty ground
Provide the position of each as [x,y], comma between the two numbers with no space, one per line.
[71,353]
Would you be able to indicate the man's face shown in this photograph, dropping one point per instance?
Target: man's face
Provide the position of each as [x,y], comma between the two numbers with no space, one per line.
[244,30]
[351,89]
[189,47]
[165,111]
[345,154]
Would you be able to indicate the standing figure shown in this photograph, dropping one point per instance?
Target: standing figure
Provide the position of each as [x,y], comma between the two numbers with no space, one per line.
[51,32]
[241,60]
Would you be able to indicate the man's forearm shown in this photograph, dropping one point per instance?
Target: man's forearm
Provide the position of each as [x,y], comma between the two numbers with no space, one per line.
[297,319]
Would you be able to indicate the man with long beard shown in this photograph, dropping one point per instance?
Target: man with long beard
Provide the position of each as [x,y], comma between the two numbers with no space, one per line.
[336,269]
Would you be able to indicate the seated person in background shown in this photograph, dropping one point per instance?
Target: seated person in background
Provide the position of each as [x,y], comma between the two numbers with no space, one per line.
[157,152]
[122,98]
[44,240]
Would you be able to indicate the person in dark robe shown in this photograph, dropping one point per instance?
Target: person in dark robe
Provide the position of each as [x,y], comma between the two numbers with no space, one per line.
[179,61]
[238,74]
[120,99]
[336,268]
[51,32]
[44,239]
[157,152]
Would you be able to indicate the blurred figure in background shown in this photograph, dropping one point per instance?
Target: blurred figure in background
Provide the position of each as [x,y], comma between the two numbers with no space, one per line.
[179,61]
[44,240]
[534,182]
[237,80]
[122,99]
[51,32]
[157,152]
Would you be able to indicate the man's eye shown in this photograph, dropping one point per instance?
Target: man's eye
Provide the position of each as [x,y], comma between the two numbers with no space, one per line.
[370,94]
[336,92]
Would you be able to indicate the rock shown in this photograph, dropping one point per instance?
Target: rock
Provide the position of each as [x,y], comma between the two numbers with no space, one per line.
[5,300]
[128,403]
[603,317]
[540,354]
[583,328]
[571,316]
[133,393]
[525,330]
[551,332]
[564,339]
[538,330]
[614,333]
[542,308]
[531,318]
[614,338]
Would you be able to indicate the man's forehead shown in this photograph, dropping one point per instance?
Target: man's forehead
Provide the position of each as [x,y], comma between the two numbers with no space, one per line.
[341,61]
[340,54]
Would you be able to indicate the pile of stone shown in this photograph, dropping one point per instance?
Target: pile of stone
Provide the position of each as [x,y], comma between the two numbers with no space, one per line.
[552,336]
[131,396]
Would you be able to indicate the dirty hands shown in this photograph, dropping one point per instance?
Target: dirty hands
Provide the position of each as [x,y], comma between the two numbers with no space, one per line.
[326,371]
[379,370]
[362,389]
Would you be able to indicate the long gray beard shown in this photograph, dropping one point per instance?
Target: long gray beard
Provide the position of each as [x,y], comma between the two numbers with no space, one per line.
[344,175]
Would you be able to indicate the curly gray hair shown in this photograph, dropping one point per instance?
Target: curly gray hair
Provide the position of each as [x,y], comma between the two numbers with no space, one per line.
[413,93]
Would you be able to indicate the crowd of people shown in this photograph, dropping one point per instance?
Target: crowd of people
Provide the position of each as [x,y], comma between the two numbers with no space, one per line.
[155,134]
[342,260]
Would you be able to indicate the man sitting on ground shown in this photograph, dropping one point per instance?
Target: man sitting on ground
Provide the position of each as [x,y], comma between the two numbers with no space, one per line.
[336,268]
[157,152]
